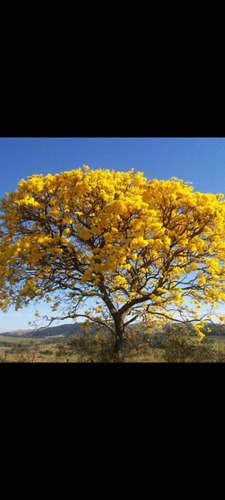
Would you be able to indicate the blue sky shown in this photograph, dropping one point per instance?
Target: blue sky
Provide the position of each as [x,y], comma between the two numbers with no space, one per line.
[197,160]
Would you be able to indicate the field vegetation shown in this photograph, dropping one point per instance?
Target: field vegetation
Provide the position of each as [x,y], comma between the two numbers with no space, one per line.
[173,345]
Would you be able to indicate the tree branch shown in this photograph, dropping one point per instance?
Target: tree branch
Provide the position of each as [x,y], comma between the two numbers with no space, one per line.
[132,319]
[73,316]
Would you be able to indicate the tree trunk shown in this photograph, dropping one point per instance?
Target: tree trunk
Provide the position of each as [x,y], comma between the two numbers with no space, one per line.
[118,350]
[120,338]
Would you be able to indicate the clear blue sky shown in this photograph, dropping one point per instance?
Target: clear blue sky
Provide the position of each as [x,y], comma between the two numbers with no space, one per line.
[197,160]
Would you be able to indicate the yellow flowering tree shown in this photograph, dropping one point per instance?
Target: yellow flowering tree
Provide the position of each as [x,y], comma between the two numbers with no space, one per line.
[137,248]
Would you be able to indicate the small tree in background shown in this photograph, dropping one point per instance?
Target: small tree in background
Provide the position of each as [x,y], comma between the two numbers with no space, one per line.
[136,248]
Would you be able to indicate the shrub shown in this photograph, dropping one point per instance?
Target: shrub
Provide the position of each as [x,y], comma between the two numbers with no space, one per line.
[99,348]
[61,351]
[47,352]
[180,347]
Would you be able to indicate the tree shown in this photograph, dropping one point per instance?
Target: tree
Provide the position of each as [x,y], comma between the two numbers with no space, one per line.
[137,248]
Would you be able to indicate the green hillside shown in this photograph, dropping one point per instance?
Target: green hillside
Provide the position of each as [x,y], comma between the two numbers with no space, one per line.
[66,330]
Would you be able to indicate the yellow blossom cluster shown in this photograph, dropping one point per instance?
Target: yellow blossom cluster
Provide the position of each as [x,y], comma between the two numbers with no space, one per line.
[114,234]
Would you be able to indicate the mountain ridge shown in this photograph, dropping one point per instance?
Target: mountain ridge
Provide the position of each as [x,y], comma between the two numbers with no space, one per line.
[65,330]
[68,329]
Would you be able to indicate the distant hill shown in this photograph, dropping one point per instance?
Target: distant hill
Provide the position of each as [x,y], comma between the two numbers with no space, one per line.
[74,328]
[65,330]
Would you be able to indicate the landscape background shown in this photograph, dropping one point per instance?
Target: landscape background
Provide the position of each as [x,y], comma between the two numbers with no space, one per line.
[53,344]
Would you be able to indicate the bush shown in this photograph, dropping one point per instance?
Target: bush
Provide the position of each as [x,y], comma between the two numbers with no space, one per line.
[47,352]
[61,351]
[92,349]
[138,342]
[100,348]
[180,347]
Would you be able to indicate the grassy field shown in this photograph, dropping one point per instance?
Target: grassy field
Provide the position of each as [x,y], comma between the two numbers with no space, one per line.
[22,349]
[52,350]
[37,351]
[56,350]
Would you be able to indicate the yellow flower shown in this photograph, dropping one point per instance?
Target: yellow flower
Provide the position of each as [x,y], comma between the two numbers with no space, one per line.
[126,235]
[127,266]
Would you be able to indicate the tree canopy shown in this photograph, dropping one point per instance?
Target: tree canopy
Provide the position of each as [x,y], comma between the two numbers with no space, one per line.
[138,248]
